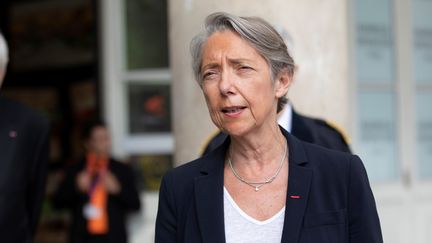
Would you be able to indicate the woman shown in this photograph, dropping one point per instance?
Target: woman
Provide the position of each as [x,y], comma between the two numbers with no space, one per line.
[262,184]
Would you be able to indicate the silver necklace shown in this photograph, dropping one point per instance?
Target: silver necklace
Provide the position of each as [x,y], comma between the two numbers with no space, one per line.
[258,185]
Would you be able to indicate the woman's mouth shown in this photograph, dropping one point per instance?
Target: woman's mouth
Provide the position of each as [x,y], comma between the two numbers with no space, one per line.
[233,111]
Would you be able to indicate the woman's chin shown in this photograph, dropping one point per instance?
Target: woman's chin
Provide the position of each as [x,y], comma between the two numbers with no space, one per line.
[238,131]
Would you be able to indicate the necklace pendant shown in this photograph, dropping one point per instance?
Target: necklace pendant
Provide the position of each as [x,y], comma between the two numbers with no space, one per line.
[256,188]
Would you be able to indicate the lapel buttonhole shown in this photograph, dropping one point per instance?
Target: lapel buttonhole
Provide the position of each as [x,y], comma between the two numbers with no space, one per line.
[13,134]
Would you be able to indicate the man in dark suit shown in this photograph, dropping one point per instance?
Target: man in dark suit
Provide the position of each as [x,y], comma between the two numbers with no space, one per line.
[312,130]
[23,164]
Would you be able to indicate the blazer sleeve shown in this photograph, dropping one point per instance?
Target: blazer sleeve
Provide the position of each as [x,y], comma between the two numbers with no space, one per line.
[364,225]
[166,219]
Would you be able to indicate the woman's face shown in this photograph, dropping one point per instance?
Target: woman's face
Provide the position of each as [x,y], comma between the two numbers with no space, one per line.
[237,85]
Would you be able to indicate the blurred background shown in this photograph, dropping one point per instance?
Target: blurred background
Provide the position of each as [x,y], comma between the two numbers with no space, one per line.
[364,65]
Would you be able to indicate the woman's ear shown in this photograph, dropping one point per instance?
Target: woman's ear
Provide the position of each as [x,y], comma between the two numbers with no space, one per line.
[283,82]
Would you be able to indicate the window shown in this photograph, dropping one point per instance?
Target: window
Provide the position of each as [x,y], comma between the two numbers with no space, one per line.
[146,77]
[422,59]
[376,89]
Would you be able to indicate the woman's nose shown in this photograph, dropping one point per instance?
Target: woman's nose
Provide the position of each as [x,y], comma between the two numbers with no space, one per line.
[227,84]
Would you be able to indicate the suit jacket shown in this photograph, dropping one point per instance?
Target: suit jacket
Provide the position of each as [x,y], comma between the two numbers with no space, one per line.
[68,196]
[335,205]
[308,129]
[23,165]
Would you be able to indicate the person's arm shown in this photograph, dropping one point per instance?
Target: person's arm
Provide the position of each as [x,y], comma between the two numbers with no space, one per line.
[122,187]
[37,177]
[166,220]
[364,225]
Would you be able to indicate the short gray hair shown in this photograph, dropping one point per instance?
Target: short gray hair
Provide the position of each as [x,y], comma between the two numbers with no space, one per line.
[257,32]
[4,53]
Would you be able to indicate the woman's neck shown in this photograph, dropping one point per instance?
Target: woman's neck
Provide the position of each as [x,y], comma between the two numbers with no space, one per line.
[256,150]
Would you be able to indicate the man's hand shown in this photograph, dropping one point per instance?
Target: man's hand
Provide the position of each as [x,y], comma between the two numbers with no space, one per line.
[83,181]
[110,181]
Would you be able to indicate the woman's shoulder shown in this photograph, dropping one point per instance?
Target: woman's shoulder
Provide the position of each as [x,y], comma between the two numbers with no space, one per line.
[178,182]
[188,168]
[334,170]
[185,173]
[327,159]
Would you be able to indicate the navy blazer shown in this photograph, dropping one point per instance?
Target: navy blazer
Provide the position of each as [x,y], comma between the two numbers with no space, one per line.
[329,199]
[24,145]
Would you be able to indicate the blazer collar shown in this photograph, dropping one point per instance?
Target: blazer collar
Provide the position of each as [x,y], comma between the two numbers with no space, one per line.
[209,196]
[209,192]
[296,152]
[215,159]
[299,181]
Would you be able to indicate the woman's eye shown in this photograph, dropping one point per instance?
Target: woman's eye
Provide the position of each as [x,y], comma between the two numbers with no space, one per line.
[245,68]
[209,75]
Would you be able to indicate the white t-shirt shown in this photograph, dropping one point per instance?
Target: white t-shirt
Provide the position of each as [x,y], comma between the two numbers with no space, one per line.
[241,228]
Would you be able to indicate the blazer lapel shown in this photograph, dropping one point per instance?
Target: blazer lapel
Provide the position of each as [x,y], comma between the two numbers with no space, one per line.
[209,197]
[299,181]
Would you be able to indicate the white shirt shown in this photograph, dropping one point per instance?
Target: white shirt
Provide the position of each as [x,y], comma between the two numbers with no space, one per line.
[285,117]
[242,228]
